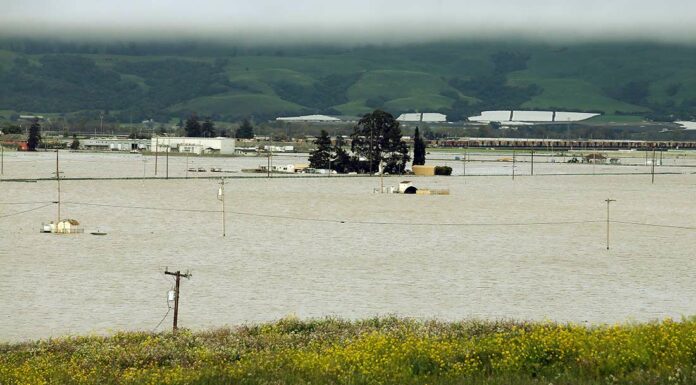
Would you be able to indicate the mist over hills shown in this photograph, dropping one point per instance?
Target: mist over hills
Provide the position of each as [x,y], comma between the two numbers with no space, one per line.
[139,80]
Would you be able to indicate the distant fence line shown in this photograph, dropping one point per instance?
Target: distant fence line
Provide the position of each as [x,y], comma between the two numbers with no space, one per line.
[567,144]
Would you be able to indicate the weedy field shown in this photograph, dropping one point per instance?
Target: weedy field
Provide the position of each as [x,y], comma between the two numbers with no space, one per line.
[373,351]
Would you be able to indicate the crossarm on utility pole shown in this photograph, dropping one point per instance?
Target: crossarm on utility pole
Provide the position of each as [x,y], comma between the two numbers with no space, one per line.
[178,276]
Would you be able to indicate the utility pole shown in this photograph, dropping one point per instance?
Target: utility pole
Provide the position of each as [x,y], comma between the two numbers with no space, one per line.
[2,159]
[167,162]
[381,177]
[221,197]
[532,162]
[101,123]
[58,184]
[178,276]
[514,158]
[608,221]
[371,145]
[187,156]
[156,152]
[652,170]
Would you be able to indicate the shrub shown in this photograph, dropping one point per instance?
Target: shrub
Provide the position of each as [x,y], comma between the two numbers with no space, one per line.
[443,170]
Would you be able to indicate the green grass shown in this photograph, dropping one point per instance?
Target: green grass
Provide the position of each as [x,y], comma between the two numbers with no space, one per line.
[570,94]
[237,104]
[393,84]
[374,351]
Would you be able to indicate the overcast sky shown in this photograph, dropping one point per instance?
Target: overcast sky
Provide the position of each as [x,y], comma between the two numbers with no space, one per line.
[352,21]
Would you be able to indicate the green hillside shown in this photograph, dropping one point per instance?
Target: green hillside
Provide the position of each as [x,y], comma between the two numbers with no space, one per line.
[137,81]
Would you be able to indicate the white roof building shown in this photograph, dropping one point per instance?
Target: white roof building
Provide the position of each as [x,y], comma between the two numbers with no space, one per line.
[687,125]
[193,145]
[512,116]
[426,117]
[309,118]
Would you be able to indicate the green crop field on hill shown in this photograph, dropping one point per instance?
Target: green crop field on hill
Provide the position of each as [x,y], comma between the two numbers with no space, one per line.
[629,81]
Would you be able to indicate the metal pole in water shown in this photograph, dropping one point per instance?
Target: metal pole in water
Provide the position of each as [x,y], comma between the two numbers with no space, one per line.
[608,221]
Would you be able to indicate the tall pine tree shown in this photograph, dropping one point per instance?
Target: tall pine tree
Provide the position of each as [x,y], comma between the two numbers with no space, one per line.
[418,149]
[208,128]
[34,135]
[193,126]
[321,156]
[245,130]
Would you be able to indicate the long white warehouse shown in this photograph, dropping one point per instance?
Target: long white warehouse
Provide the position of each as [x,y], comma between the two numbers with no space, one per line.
[223,146]
[508,116]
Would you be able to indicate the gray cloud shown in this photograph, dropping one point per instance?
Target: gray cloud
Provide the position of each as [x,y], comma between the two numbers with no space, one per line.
[352,22]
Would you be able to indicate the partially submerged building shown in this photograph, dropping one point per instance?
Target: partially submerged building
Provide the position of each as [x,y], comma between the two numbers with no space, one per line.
[223,146]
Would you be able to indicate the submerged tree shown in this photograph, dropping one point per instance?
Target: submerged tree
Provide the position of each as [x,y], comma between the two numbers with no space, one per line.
[34,135]
[377,138]
[418,149]
[321,156]
[75,145]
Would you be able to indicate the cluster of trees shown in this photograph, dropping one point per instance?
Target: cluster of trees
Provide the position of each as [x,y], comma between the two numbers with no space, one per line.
[194,128]
[375,140]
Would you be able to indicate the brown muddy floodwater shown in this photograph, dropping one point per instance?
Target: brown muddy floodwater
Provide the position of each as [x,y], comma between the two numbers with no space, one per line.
[532,248]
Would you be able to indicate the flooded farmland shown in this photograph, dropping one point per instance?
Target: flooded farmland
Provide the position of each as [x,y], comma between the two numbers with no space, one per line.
[529,248]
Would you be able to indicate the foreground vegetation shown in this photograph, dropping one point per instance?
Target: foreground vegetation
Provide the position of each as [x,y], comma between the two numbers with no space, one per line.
[375,351]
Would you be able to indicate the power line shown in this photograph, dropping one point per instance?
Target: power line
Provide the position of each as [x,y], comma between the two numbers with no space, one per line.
[140,207]
[655,225]
[25,203]
[25,211]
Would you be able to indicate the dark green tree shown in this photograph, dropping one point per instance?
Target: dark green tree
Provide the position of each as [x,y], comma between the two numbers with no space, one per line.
[394,149]
[34,135]
[75,145]
[366,143]
[418,149]
[322,155]
[377,137]
[208,128]
[192,126]
[245,130]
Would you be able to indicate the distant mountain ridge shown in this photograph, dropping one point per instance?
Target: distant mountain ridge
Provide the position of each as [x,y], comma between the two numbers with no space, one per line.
[138,81]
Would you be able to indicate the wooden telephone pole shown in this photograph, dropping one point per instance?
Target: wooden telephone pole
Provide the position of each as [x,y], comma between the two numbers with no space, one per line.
[608,200]
[178,276]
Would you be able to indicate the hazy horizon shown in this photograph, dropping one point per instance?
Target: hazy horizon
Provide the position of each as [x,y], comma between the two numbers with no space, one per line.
[355,22]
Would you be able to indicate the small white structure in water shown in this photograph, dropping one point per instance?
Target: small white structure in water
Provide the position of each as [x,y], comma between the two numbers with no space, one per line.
[65,226]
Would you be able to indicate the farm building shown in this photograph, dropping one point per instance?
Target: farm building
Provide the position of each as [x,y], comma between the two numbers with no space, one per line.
[308,118]
[425,117]
[525,117]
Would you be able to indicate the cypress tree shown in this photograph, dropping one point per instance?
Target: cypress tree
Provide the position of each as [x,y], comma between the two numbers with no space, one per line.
[418,149]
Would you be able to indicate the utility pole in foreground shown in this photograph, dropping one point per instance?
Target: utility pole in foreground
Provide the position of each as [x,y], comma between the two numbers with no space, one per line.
[178,276]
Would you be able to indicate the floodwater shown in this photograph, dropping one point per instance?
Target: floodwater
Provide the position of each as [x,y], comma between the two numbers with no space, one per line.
[530,248]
